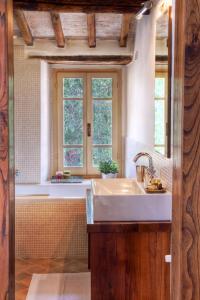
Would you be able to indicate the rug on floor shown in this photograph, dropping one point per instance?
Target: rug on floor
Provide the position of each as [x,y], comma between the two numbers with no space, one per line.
[64,286]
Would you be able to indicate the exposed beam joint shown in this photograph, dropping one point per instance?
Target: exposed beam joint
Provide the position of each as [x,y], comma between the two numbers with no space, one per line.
[57,27]
[91,24]
[126,22]
[23,27]
[86,59]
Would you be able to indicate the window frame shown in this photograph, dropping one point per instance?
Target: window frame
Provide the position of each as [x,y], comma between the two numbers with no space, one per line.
[61,146]
[87,170]
[90,168]
[162,73]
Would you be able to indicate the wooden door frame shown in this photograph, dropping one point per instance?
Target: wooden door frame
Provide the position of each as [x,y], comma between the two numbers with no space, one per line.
[7,215]
[186,176]
[185,272]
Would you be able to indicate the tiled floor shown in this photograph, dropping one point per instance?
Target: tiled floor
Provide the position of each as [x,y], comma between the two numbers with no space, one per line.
[26,267]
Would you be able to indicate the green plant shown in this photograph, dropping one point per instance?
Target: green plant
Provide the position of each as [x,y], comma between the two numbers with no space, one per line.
[108,166]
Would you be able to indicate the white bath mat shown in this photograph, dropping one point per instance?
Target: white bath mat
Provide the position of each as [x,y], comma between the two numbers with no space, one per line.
[68,286]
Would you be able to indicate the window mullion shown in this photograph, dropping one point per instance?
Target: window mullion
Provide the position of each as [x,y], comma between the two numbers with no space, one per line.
[89,121]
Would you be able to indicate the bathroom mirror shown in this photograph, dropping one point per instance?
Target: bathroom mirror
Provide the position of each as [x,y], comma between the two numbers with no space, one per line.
[162,138]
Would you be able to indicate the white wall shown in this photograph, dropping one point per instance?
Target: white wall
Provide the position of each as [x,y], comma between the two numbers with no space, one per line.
[140,92]
[45,111]
[140,84]
[78,47]
[140,100]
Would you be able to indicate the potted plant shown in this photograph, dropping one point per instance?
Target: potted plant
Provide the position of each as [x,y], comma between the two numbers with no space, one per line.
[108,168]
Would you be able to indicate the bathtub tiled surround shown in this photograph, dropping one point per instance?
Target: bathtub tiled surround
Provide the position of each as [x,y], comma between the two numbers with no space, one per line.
[50,227]
[60,190]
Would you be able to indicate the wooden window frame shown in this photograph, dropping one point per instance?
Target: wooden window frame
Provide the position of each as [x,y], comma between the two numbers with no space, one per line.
[162,73]
[57,120]
[60,76]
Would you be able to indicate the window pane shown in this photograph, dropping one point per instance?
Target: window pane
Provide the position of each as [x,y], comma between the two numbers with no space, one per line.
[101,154]
[160,149]
[160,87]
[102,122]
[159,122]
[73,157]
[73,87]
[73,122]
[102,87]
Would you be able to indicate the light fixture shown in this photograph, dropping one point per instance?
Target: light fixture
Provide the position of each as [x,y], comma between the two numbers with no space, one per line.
[167,3]
[147,6]
[164,6]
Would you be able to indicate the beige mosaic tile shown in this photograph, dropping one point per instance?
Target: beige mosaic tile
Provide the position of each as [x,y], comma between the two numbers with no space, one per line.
[51,228]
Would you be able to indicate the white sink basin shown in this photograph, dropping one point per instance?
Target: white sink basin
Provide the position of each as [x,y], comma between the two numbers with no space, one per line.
[126,200]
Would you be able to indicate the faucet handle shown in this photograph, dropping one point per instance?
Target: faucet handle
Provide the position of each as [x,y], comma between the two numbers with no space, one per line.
[151,172]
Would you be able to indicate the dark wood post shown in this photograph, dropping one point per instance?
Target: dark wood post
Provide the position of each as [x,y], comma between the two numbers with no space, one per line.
[6,153]
[186,187]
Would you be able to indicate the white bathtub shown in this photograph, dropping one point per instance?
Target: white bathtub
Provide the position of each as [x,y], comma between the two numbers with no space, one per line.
[64,190]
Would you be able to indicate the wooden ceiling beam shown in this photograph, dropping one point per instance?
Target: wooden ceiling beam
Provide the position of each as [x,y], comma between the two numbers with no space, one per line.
[91,24]
[162,58]
[57,27]
[86,60]
[84,6]
[126,22]
[23,27]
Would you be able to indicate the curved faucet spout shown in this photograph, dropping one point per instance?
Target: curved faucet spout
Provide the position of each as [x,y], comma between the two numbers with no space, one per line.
[150,169]
[140,154]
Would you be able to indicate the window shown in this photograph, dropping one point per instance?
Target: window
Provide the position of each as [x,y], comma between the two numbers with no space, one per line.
[88,123]
[160,111]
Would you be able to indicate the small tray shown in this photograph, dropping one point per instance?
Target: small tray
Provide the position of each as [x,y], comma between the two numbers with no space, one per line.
[162,191]
[71,179]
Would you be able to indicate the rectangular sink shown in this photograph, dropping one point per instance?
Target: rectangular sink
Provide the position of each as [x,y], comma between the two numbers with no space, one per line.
[116,187]
[126,200]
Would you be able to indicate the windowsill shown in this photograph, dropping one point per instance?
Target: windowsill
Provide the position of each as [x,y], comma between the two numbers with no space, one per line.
[85,182]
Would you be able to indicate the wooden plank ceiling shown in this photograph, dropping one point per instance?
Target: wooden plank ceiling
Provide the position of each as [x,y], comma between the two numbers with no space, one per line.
[63,26]
[76,19]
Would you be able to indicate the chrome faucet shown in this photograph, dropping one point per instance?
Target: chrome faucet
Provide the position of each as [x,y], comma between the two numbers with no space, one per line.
[150,170]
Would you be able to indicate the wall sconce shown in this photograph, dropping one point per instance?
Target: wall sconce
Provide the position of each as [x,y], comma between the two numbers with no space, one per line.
[164,7]
[147,7]
[167,3]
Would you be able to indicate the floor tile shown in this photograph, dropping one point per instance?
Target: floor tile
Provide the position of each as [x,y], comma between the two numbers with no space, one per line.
[25,268]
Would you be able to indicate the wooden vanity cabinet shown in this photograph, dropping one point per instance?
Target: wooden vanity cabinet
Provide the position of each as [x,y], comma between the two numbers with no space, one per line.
[127,259]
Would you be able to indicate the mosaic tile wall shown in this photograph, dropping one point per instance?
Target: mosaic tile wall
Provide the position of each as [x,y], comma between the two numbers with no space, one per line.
[163,167]
[50,228]
[27,117]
